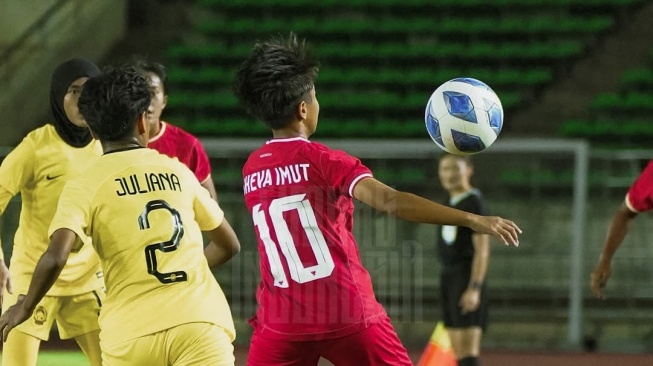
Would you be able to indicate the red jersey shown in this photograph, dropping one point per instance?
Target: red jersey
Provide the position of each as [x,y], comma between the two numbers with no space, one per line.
[640,195]
[177,143]
[313,284]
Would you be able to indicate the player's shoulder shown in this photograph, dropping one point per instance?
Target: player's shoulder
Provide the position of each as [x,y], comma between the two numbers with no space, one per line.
[84,186]
[43,134]
[143,159]
[156,157]
[476,194]
[178,133]
[43,141]
[326,151]
[477,202]
[473,197]
[328,155]
[171,163]
[320,148]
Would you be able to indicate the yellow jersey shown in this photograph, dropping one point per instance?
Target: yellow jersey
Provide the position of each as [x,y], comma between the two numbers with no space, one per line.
[144,213]
[38,168]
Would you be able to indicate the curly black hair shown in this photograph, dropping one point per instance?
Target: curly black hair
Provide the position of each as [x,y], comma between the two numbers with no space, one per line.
[112,102]
[278,75]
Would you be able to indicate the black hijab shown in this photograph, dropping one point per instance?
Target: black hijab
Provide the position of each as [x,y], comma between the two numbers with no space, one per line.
[63,76]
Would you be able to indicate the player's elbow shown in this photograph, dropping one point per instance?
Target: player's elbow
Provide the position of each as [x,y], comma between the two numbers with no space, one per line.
[397,204]
[230,247]
[388,204]
[389,209]
[231,243]
[234,247]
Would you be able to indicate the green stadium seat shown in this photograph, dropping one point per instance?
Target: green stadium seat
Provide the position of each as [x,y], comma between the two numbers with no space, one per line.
[605,101]
[383,58]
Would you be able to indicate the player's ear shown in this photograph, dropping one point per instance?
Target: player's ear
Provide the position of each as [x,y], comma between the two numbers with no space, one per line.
[142,124]
[470,168]
[301,111]
[165,102]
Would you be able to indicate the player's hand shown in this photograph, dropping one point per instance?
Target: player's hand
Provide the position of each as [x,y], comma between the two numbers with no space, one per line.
[14,316]
[506,230]
[470,300]
[599,278]
[5,281]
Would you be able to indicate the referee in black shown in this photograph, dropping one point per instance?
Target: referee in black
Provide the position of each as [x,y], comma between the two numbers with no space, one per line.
[464,255]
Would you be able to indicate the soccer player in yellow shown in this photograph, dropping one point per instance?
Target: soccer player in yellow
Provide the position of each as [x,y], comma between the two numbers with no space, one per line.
[143,212]
[37,169]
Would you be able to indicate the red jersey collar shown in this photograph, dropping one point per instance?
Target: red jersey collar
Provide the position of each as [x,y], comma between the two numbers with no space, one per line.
[287,139]
[162,130]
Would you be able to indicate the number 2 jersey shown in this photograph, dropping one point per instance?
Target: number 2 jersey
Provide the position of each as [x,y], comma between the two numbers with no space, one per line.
[313,284]
[144,213]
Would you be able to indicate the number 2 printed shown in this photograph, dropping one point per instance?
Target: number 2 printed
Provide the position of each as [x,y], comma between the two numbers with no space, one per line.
[166,246]
[298,272]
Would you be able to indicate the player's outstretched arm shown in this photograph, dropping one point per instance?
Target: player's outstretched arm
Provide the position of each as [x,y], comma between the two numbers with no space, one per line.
[224,245]
[621,221]
[410,207]
[46,273]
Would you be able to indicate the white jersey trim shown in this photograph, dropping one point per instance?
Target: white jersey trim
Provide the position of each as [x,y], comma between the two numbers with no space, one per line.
[455,200]
[158,135]
[355,181]
[630,205]
[289,139]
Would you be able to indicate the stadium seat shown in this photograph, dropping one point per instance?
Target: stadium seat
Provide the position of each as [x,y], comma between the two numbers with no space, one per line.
[382,58]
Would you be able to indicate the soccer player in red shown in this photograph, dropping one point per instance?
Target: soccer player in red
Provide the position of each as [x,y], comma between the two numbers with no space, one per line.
[638,199]
[169,139]
[315,298]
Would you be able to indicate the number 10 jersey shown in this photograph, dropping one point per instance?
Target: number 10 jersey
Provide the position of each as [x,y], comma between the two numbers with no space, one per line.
[313,284]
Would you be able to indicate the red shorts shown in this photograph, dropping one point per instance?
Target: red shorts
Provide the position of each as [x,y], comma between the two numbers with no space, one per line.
[376,345]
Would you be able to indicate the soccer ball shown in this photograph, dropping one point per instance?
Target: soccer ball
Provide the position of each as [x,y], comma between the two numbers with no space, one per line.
[464,116]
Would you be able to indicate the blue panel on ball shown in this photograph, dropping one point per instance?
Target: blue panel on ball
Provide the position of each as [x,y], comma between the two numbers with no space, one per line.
[473,82]
[460,105]
[494,115]
[467,143]
[433,127]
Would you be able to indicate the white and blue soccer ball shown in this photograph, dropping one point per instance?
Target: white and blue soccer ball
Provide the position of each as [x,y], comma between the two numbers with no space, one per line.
[464,116]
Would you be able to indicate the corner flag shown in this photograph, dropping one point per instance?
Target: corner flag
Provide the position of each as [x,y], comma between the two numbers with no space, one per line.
[438,351]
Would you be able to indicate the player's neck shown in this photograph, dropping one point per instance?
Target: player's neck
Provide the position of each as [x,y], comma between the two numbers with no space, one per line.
[459,191]
[157,129]
[127,144]
[290,132]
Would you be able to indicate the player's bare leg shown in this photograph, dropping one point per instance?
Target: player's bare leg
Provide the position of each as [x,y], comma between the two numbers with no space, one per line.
[20,349]
[466,342]
[90,345]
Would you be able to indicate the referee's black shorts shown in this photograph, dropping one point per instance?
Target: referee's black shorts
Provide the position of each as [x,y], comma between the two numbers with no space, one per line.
[453,282]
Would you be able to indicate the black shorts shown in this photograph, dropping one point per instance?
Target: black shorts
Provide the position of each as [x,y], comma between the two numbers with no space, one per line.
[453,282]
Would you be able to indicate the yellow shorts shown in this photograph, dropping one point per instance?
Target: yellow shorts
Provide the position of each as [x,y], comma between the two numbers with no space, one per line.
[191,344]
[75,315]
